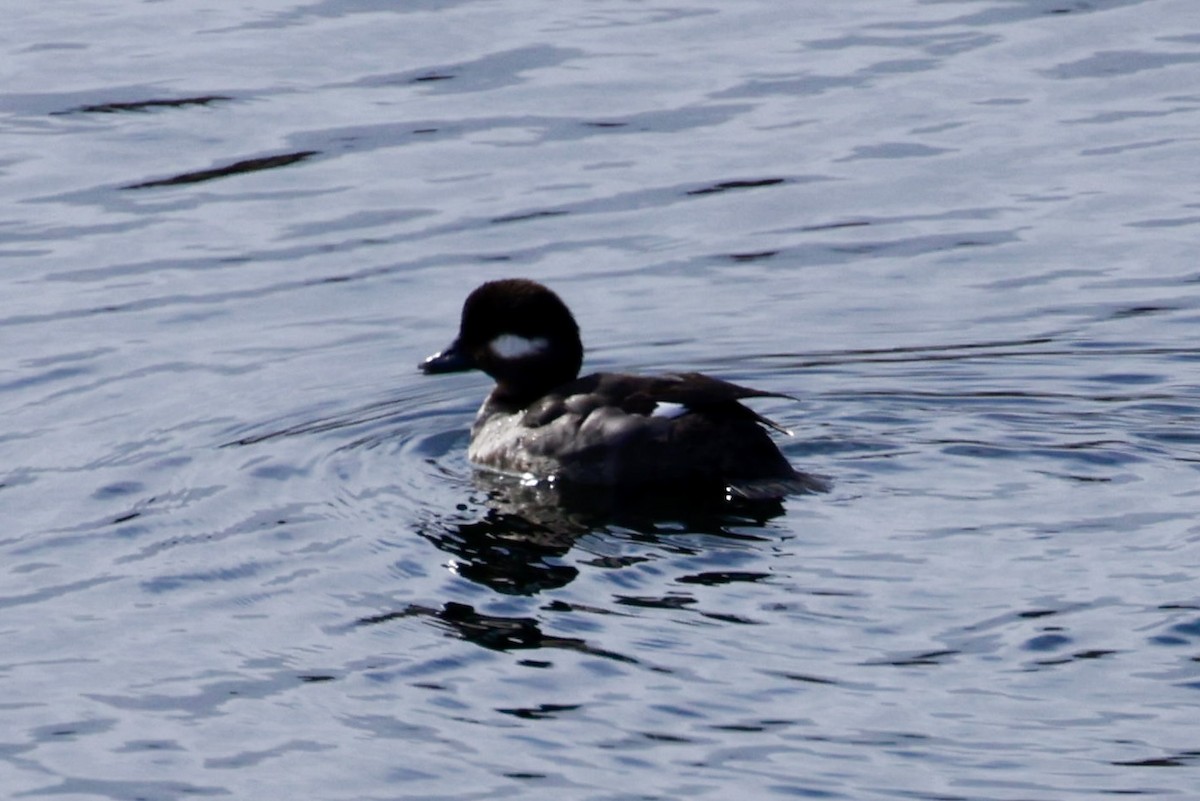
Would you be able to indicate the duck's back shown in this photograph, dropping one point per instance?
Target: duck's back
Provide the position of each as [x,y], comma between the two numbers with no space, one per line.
[615,429]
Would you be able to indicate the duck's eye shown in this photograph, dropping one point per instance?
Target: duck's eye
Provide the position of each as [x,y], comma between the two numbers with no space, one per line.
[511,346]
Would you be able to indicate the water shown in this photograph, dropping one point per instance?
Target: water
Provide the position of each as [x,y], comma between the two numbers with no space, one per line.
[244,555]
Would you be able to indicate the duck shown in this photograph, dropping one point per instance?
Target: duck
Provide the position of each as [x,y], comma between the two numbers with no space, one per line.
[542,421]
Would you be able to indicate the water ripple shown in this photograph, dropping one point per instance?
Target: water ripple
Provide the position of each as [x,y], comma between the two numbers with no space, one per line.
[244,545]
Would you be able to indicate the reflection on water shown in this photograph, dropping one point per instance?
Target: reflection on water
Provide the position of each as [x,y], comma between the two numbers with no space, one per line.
[512,545]
[493,632]
[513,540]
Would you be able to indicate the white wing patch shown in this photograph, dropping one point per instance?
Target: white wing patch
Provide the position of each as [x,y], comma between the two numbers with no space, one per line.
[511,346]
[669,410]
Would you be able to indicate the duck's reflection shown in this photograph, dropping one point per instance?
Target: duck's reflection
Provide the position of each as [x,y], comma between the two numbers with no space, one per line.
[494,632]
[506,552]
[513,537]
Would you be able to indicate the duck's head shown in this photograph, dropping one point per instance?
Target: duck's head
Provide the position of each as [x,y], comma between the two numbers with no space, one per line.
[518,332]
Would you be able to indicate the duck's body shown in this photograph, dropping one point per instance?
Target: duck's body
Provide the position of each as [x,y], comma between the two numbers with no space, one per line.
[610,429]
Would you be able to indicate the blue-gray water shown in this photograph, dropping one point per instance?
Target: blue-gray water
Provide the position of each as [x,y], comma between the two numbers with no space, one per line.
[243,556]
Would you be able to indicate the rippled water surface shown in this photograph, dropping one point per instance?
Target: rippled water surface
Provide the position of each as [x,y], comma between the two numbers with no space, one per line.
[244,556]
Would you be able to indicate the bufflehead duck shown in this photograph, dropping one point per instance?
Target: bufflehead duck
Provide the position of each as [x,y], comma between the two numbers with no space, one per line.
[608,429]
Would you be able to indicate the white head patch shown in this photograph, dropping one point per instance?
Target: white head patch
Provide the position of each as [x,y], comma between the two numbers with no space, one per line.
[669,410]
[511,346]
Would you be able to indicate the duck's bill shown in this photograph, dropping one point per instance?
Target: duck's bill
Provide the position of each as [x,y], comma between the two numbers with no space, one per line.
[451,360]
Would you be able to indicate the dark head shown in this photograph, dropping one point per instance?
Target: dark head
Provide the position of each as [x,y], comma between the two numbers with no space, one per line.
[518,332]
